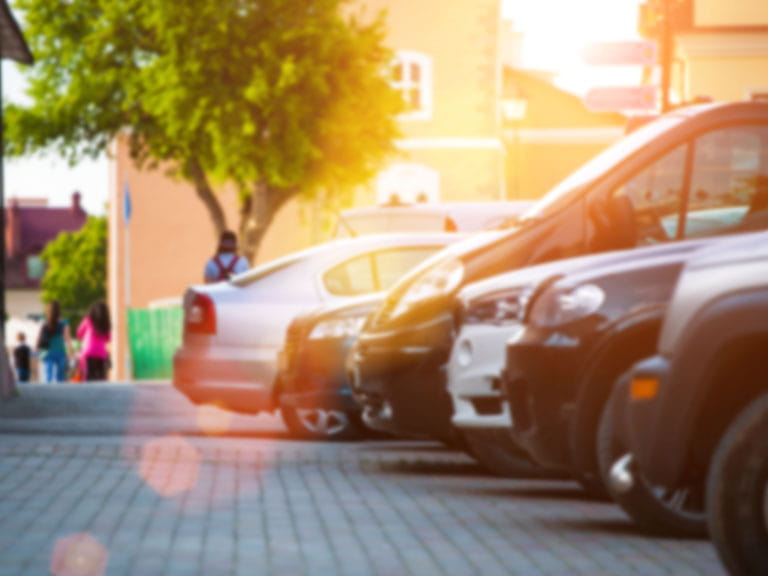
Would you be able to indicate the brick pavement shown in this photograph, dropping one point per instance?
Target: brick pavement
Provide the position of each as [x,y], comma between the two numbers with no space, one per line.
[229,506]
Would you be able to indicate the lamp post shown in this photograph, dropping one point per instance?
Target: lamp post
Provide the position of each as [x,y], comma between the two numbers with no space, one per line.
[513,112]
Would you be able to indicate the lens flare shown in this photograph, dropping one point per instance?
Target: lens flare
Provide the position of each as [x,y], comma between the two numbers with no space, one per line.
[79,555]
[169,465]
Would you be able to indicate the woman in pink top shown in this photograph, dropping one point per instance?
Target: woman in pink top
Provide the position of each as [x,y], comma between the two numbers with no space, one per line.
[94,331]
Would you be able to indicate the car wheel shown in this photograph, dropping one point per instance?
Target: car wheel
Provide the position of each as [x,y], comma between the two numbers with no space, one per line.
[678,512]
[737,492]
[321,423]
[499,454]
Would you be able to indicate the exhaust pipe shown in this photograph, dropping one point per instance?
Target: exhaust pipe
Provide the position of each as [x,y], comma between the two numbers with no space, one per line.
[621,477]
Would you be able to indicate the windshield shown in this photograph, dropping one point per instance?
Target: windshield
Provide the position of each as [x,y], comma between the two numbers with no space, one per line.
[563,193]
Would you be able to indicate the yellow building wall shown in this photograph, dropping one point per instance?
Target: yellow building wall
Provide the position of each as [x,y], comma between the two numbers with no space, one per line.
[542,166]
[463,38]
[708,13]
[728,79]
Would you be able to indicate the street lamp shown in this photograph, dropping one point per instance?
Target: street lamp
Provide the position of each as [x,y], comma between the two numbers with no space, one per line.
[513,111]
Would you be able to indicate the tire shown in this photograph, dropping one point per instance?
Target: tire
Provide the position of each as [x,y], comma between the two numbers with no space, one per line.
[737,492]
[321,423]
[678,513]
[500,455]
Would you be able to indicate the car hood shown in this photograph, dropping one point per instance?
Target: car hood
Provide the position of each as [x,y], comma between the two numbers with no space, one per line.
[584,268]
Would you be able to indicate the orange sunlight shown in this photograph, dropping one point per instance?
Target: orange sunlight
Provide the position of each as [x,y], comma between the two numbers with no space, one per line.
[556,32]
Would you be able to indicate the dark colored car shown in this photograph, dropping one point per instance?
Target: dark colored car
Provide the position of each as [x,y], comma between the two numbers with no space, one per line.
[582,331]
[313,391]
[697,412]
[660,183]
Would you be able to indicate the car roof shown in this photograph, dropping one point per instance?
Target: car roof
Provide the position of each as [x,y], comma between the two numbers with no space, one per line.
[356,244]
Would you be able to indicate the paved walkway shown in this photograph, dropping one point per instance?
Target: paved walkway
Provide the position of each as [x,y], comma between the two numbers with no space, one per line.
[230,507]
[134,480]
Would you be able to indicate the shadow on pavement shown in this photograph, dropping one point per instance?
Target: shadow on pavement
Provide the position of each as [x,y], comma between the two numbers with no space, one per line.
[614,527]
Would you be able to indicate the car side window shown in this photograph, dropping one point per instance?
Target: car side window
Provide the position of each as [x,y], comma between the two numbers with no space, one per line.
[391,265]
[653,198]
[351,278]
[729,182]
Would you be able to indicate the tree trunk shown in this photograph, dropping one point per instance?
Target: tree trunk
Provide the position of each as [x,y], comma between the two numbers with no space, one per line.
[208,197]
[7,377]
[257,214]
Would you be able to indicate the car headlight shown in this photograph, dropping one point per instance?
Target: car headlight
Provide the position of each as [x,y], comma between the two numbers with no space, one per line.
[557,307]
[499,308]
[442,280]
[337,328]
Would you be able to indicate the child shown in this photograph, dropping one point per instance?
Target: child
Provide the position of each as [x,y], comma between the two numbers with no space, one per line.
[21,358]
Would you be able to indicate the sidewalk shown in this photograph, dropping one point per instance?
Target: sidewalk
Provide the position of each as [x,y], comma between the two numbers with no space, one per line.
[119,480]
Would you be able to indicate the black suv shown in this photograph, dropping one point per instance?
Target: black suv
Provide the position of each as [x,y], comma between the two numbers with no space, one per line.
[689,173]
[697,412]
[582,331]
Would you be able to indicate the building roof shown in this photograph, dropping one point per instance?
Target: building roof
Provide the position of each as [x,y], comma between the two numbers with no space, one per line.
[12,43]
[549,105]
[29,228]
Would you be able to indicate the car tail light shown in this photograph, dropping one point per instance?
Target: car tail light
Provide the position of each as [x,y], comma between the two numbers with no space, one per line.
[201,315]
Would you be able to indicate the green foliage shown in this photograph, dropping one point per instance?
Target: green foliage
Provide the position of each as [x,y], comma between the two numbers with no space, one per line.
[76,268]
[286,94]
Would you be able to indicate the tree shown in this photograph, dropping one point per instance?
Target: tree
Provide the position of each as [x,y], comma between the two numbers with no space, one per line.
[279,97]
[76,268]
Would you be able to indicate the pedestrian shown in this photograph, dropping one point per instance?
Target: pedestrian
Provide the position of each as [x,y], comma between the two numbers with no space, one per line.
[226,263]
[22,358]
[54,343]
[95,332]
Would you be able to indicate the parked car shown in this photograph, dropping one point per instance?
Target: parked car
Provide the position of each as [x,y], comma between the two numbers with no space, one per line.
[433,217]
[313,390]
[233,330]
[491,313]
[696,413]
[582,331]
[648,188]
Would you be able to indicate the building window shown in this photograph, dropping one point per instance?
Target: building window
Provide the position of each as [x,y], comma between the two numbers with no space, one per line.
[412,77]
[35,267]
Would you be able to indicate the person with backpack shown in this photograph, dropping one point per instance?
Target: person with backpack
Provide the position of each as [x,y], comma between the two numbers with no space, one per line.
[226,263]
[54,343]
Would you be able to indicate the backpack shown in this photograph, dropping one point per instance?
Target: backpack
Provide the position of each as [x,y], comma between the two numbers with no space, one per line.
[225,272]
[43,338]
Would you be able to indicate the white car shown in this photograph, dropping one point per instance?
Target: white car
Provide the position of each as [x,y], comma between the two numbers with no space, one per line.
[491,315]
[233,330]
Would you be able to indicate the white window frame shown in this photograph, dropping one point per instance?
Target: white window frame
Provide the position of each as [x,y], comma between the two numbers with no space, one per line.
[406,59]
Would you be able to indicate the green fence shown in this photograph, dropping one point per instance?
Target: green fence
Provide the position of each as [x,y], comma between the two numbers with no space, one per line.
[154,335]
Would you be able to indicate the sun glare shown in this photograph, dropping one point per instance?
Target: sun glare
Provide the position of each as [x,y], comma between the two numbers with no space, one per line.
[556,32]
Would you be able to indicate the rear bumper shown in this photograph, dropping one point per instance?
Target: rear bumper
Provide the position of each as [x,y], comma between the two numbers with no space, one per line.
[474,376]
[237,384]
[313,375]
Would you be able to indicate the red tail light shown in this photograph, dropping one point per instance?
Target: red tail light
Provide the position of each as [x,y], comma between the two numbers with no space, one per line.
[201,315]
